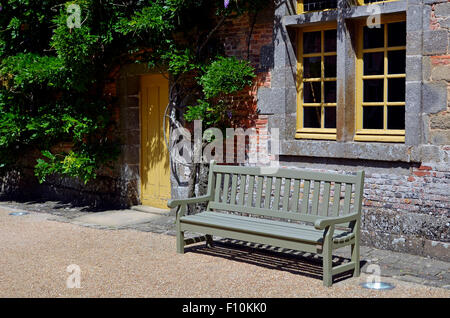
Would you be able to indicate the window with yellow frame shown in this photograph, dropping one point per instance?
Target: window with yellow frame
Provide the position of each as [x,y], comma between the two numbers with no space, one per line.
[317,58]
[380,91]
[315,5]
[322,5]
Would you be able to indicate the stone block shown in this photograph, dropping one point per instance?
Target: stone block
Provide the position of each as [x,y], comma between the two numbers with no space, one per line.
[435,42]
[434,97]
[413,97]
[441,72]
[413,68]
[440,137]
[413,18]
[442,10]
[426,68]
[271,100]
[414,43]
[440,121]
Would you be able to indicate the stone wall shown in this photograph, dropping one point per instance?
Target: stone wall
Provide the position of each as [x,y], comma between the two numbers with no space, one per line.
[407,194]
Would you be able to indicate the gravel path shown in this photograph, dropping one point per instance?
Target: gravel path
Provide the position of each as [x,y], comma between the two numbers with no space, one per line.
[35,253]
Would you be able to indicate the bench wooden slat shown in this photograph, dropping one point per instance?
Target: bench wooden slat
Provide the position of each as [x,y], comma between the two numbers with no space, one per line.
[276,197]
[251,186]
[295,195]
[287,226]
[226,187]
[233,189]
[347,198]
[254,227]
[305,198]
[264,212]
[259,188]
[218,187]
[286,194]
[242,189]
[336,199]
[268,192]
[326,199]
[315,199]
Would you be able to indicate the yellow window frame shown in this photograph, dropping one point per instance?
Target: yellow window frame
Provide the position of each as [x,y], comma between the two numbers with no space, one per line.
[313,133]
[301,7]
[384,135]
[361,2]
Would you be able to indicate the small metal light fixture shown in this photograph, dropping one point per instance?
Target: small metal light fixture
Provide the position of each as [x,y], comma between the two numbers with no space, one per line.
[19,213]
[378,286]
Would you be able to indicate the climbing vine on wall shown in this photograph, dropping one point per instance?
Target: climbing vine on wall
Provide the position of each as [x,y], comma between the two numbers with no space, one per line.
[53,72]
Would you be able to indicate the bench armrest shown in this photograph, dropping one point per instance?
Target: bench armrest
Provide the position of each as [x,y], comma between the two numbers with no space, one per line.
[320,224]
[174,203]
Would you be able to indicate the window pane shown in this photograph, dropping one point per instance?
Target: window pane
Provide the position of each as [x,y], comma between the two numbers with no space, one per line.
[373,117]
[374,63]
[373,37]
[330,41]
[397,34]
[373,90]
[396,62]
[311,117]
[329,92]
[311,5]
[396,117]
[330,66]
[311,67]
[311,42]
[396,90]
[330,117]
[311,92]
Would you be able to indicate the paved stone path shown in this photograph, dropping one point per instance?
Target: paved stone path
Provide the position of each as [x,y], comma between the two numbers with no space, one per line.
[401,266]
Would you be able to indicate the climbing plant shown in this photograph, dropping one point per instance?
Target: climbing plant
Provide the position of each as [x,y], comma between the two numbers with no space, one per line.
[57,57]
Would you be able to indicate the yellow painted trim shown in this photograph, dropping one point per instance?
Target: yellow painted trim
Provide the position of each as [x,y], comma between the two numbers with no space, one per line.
[299,135]
[361,2]
[381,138]
[396,132]
[301,8]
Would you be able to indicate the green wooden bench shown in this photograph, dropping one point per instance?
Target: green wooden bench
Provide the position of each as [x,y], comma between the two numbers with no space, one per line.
[244,204]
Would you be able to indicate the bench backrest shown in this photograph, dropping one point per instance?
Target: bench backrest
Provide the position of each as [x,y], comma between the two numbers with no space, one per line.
[284,193]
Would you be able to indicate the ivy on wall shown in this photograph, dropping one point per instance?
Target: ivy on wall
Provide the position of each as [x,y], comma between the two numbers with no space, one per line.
[57,56]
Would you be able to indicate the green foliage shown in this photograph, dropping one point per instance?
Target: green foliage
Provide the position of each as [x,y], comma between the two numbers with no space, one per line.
[226,75]
[52,77]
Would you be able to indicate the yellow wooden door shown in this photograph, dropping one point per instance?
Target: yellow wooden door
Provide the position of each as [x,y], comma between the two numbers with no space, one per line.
[155,172]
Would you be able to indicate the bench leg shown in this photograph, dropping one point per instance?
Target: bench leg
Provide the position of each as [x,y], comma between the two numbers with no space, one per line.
[327,259]
[180,242]
[355,259]
[209,240]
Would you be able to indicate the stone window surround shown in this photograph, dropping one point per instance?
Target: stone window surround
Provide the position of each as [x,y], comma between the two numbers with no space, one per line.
[280,100]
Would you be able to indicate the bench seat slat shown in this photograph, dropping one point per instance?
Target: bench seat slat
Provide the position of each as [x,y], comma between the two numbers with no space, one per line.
[265,212]
[286,225]
[259,226]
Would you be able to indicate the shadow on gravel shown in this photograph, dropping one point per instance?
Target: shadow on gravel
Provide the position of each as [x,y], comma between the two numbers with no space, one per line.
[294,262]
[45,204]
